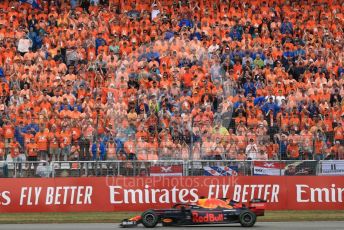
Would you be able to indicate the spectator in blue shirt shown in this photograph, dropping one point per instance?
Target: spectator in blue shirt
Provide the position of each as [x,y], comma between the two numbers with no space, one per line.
[73,3]
[283,144]
[33,36]
[18,133]
[239,103]
[142,108]
[98,147]
[340,71]
[250,88]
[270,106]
[259,53]
[99,42]
[226,54]
[185,22]
[33,127]
[299,52]
[94,150]
[2,74]
[259,100]
[313,109]
[288,54]
[286,27]
[150,56]
[236,32]
[102,150]
[65,105]
[169,35]
[133,13]
[197,35]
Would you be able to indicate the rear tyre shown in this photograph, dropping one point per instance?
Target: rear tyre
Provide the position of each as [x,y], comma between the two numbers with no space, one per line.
[149,219]
[247,219]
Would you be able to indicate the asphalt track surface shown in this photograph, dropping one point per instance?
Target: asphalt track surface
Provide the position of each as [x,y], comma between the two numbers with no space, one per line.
[259,225]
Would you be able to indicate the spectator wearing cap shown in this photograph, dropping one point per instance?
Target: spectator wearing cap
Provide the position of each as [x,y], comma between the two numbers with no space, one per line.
[155,10]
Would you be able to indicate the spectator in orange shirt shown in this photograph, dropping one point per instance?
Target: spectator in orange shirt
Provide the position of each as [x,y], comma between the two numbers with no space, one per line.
[8,132]
[32,149]
[54,145]
[111,152]
[319,149]
[65,143]
[293,150]
[15,150]
[2,149]
[41,139]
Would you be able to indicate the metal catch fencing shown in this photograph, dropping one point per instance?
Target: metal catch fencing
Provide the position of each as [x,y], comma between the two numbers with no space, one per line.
[169,168]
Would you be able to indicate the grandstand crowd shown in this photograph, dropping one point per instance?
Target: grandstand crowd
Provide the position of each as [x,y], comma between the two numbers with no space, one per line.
[188,79]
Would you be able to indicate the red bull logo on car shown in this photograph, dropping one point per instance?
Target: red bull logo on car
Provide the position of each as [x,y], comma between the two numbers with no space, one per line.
[204,217]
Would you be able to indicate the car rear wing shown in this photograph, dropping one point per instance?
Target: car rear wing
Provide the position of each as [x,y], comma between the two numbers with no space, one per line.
[257,206]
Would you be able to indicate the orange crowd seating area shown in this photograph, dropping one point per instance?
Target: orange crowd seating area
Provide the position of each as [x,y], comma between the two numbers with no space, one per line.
[149,79]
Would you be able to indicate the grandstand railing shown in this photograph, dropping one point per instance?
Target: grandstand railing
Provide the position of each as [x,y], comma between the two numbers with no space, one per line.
[25,169]
[170,168]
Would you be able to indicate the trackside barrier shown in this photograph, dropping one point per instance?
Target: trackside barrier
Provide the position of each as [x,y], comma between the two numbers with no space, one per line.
[170,168]
[119,193]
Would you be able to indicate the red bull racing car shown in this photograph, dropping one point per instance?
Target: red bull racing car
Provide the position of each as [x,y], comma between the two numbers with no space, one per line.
[206,211]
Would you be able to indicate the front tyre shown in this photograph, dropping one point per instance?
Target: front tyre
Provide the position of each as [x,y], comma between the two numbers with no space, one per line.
[247,219]
[149,219]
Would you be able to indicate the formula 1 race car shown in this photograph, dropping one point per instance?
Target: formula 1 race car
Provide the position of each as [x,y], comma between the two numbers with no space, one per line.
[206,211]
